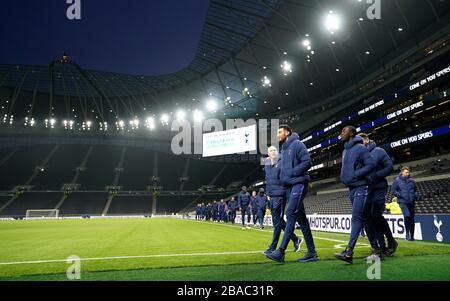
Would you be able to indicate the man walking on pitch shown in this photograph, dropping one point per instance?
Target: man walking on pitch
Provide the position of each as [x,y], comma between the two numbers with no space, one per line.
[357,167]
[261,204]
[295,163]
[277,203]
[405,189]
[243,203]
[383,168]
[254,208]
[232,210]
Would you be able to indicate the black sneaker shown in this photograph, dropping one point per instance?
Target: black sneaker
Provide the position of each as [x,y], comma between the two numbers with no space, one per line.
[270,250]
[277,256]
[392,247]
[309,257]
[346,255]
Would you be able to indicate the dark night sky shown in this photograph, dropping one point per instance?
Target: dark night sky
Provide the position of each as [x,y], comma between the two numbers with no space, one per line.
[147,37]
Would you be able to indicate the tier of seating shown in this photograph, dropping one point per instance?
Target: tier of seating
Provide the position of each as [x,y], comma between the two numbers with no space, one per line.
[434,198]
[50,167]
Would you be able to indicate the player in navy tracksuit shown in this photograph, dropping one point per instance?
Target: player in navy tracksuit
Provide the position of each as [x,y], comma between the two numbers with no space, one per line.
[405,189]
[261,205]
[222,211]
[197,212]
[357,167]
[277,203]
[243,203]
[295,163]
[232,206]
[253,208]
[215,211]
[383,168]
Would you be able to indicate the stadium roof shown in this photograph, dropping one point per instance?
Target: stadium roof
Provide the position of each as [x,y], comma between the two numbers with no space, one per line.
[241,43]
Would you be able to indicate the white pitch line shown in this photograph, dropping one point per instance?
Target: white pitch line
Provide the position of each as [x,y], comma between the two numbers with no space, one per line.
[144,256]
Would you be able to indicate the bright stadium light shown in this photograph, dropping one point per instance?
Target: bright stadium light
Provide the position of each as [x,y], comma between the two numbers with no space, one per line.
[266,82]
[120,125]
[211,105]
[180,115]
[32,122]
[198,115]
[332,22]
[287,67]
[150,123]
[134,124]
[306,43]
[164,118]
[52,122]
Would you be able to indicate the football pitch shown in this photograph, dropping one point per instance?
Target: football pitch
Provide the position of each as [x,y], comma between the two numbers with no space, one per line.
[176,249]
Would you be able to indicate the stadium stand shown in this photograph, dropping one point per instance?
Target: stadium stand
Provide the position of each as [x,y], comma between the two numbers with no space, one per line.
[84,203]
[32,200]
[130,205]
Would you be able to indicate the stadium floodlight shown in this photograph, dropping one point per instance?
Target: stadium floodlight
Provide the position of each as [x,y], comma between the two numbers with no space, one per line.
[52,122]
[332,22]
[164,118]
[306,43]
[32,122]
[134,124]
[120,125]
[150,123]
[180,115]
[266,82]
[198,115]
[287,67]
[211,105]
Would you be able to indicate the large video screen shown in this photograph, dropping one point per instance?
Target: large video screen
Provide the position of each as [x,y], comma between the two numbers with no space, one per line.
[229,142]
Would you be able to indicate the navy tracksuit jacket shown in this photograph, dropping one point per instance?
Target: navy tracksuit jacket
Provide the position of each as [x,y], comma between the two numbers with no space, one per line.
[357,168]
[295,163]
[383,168]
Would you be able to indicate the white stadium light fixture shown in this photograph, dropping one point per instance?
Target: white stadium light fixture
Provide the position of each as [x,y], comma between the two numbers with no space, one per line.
[287,67]
[306,43]
[332,22]
[266,82]
[211,105]
[150,123]
[198,115]
[180,115]
[164,118]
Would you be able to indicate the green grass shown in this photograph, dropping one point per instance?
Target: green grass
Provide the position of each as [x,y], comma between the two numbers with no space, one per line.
[161,246]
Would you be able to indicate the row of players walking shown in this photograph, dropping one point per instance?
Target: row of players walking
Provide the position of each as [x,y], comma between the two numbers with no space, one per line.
[364,170]
[225,212]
